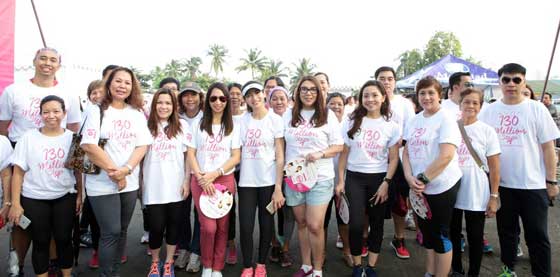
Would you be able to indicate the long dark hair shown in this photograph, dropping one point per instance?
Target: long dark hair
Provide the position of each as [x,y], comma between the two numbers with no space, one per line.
[208,115]
[174,126]
[319,118]
[134,99]
[358,114]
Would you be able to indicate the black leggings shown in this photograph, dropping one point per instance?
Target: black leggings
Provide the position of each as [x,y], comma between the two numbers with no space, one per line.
[51,219]
[232,214]
[474,221]
[185,229]
[249,200]
[435,231]
[163,219]
[360,187]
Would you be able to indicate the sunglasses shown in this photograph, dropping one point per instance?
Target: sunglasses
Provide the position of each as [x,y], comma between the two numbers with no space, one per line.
[213,99]
[516,80]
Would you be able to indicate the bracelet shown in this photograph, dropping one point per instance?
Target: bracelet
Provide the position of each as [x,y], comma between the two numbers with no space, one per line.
[221,170]
[323,154]
[554,183]
[129,169]
[388,180]
[494,195]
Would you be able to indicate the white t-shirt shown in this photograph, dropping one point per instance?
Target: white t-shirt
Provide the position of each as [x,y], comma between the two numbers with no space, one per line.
[369,149]
[474,192]
[305,139]
[125,130]
[164,167]
[42,158]
[402,111]
[213,151]
[6,151]
[20,103]
[258,156]
[424,136]
[452,108]
[189,120]
[521,128]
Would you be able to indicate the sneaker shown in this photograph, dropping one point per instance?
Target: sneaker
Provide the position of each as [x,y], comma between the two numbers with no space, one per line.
[168,269]
[182,258]
[194,264]
[94,261]
[462,243]
[247,272]
[370,272]
[348,260]
[487,247]
[231,257]
[13,263]
[506,272]
[124,259]
[216,274]
[409,220]
[154,270]
[145,238]
[275,254]
[302,273]
[519,250]
[85,240]
[419,238]
[260,270]
[286,260]
[364,251]
[357,271]
[400,248]
[148,251]
[206,272]
[339,243]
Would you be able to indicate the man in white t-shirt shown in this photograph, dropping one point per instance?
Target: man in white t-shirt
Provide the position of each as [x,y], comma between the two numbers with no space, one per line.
[19,110]
[528,181]
[401,113]
[458,82]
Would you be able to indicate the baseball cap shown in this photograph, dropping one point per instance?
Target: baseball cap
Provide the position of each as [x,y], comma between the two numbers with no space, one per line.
[191,86]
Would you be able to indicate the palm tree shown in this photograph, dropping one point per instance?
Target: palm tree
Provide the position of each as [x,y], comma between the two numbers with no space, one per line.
[273,68]
[218,54]
[253,62]
[174,69]
[304,68]
[192,66]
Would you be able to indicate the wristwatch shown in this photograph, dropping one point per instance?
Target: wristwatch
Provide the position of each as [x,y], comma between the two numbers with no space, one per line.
[388,180]
[130,169]
[423,178]
[552,183]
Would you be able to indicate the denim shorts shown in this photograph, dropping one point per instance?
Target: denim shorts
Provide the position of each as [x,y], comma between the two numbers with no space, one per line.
[321,193]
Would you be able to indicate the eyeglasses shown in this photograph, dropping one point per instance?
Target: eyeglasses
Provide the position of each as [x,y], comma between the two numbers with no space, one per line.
[306,90]
[469,85]
[213,99]
[516,80]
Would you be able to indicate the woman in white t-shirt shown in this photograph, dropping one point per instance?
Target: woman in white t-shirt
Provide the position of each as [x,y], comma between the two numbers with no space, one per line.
[44,190]
[260,183]
[164,184]
[6,151]
[370,140]
[213,154]
[112,193]
[477,197]
[432,171]
[311,133]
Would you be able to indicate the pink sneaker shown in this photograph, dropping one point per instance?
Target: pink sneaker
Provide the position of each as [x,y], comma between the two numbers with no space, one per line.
[247,272]
[231,258]
[301,273]
[260,271]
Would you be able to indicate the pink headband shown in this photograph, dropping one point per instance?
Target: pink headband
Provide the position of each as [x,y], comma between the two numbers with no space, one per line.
[277,88]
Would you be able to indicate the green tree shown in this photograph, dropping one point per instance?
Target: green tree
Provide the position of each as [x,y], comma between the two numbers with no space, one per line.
[175,69]
[156,75]
[254,62]
[144,79]
[218,54]
[205,80]
[192,67]
[440,45]
[303,68]
[272,68]
[410,62]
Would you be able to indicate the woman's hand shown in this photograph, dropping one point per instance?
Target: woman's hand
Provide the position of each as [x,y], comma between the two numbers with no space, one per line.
[79,204]
[208,177]
[415,184]
[314,156]
[4,211]
[382,193]
[209,189]
[119,173]
[278,199]
[121,184]
[339,189]
[492,207]
[185,189]
[15,214]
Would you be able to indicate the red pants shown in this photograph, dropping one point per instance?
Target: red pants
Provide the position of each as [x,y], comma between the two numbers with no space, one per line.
[213,232]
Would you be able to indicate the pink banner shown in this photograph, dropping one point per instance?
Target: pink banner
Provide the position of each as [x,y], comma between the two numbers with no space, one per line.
[7,30]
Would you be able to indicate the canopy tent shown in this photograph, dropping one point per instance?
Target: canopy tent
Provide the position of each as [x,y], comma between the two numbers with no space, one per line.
[444,67]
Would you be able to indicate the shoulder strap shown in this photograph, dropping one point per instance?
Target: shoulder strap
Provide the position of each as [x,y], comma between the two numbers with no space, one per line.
[467,141]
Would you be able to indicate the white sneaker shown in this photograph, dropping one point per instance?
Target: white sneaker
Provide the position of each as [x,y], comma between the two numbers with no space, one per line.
[145,238]
[194,264]
[519,250]
[339,244]
[206,272]
[216,274]
[13,263]
[409,220]
[182,258]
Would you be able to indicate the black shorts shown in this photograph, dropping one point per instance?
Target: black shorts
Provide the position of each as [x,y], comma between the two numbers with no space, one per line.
[399,186]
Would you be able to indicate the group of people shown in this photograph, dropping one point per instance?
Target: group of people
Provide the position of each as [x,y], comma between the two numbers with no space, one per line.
[453,158]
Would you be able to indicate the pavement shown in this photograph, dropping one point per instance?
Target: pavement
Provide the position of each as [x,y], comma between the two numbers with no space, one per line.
[388,263]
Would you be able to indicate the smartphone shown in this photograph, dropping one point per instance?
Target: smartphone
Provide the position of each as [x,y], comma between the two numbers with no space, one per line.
[24,222]
[270,208]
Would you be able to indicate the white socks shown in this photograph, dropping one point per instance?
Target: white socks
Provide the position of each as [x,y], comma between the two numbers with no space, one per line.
[306,268]
[317,273]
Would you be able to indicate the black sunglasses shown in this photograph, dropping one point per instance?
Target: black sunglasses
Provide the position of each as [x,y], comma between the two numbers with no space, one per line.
[516,80]
[213,99]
